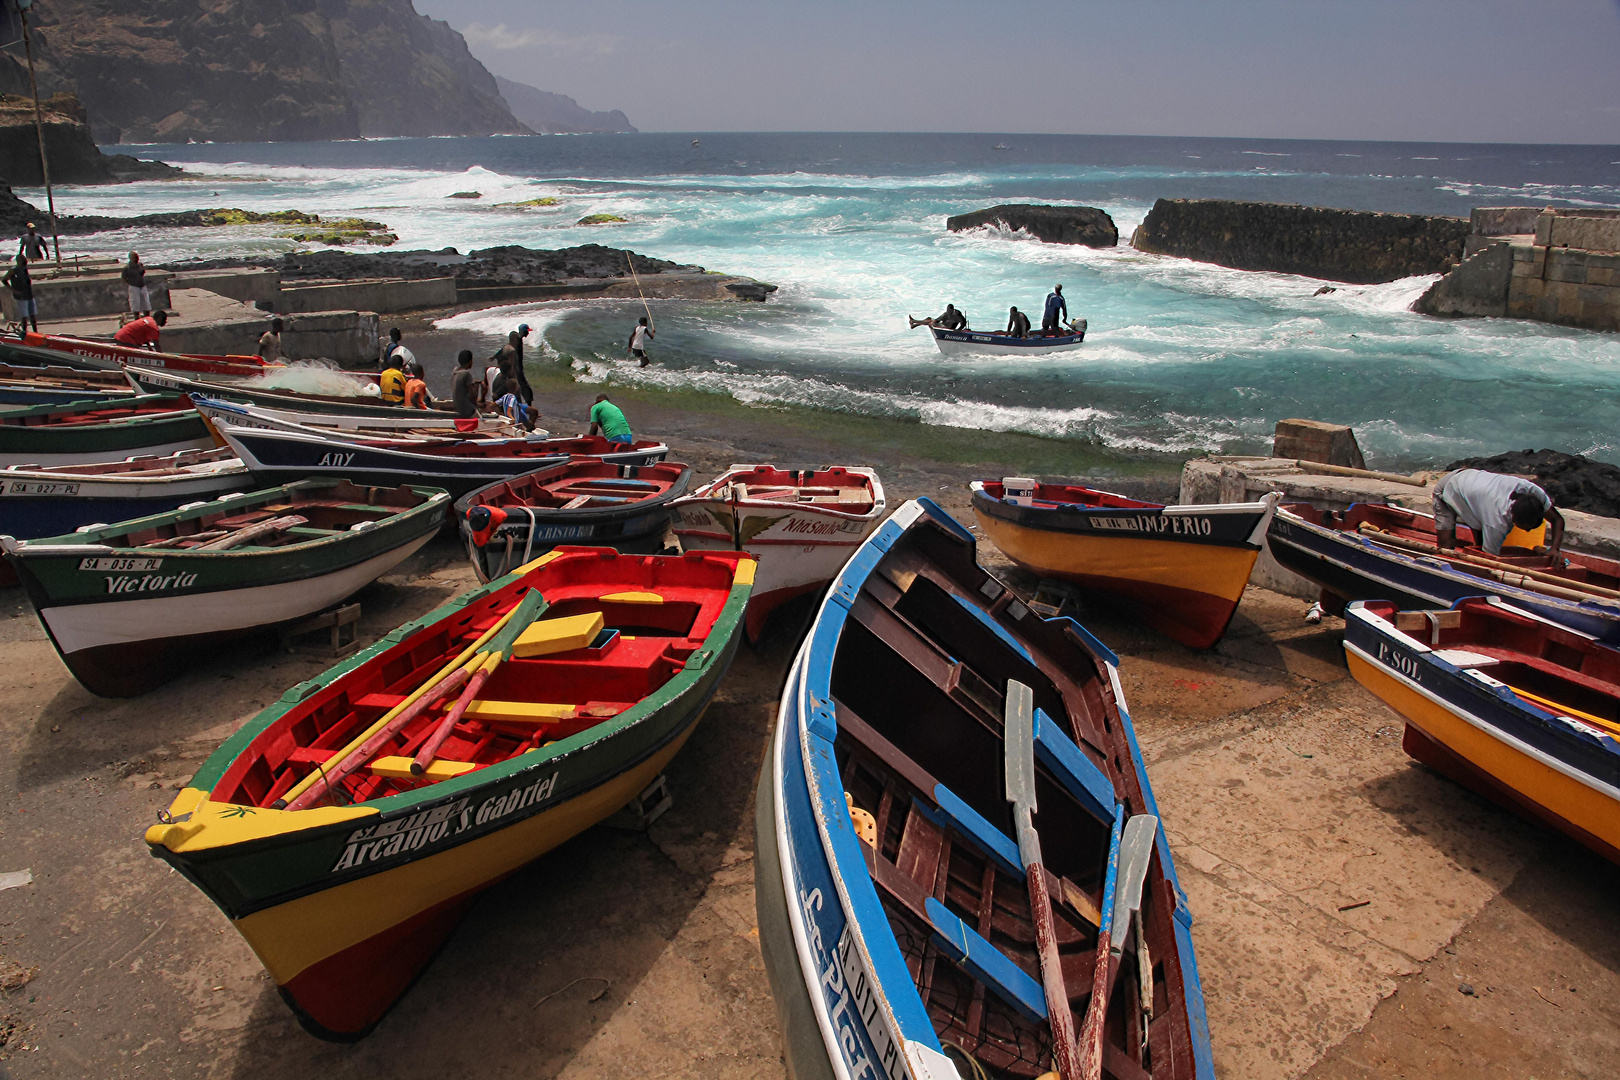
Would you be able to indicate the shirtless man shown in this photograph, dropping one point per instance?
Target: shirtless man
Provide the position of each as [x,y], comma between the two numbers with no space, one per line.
[949,319]
[1017,323]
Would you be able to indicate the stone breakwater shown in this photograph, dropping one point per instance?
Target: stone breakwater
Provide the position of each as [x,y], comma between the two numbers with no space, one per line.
[1356,246]
[1085,225]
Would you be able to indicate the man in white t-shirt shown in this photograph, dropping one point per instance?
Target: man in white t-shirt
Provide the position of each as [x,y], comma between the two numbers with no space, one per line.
[1492,505]
[638,340]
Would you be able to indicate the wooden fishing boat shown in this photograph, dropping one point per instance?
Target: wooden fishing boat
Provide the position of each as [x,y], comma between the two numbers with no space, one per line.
[85,431]
[966,342]
[1179,569]
[130,605]
[117,352]
[1503,701]
[344,869]
[908,909]
[584,501]
[397,422]
[457,465]
[1376,552]
[356,404]
[55,384]
[802,525]
[49,502]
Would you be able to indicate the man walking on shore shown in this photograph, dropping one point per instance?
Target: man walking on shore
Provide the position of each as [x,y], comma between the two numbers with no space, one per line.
[140,297]
[638,340]
[32,245]
[1051,326]
[22,291]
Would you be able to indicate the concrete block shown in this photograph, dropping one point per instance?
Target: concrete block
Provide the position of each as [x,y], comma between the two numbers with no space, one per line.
[1503,220]
[382,295]
[77,296]
[1314,440]
[249,284]
[1568,270]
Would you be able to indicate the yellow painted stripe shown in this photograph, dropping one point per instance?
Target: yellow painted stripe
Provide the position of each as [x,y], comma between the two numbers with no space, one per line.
[1540,783]
[1205,568]
[289,937]
[399,768]
[520,712]
[633,597]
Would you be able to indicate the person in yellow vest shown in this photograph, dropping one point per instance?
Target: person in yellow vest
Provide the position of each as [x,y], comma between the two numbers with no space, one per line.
[392,381]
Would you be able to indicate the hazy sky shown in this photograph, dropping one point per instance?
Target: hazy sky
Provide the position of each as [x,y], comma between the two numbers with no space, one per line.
[1454,70]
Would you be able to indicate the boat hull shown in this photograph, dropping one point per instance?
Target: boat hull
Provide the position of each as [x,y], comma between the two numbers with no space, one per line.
[1354,568]
[147,426]
[1479,735]
[970,342]
[118,353]
[1181,570]
[156,382]
[33,505]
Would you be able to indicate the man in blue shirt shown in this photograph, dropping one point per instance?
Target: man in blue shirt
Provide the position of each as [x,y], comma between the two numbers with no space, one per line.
[1050,325]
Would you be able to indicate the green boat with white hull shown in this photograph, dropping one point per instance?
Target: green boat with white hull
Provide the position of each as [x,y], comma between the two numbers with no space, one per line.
[81,432]
[128,606]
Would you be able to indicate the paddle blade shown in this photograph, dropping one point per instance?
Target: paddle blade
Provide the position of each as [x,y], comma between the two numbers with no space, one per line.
[1020,745]
[1135,853]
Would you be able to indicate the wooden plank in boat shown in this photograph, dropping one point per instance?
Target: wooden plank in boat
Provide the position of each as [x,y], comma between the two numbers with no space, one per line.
[520,712]
[549,636]
[399,768]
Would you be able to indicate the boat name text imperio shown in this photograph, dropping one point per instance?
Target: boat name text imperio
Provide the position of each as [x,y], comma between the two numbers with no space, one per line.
[1175,526]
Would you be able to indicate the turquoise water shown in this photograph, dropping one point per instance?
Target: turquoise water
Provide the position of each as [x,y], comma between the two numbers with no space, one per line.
[1181,356]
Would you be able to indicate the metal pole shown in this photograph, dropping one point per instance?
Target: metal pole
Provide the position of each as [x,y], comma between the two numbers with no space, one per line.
[39,131]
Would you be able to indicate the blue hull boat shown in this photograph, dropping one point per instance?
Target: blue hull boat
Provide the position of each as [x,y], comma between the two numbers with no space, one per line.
[910,922]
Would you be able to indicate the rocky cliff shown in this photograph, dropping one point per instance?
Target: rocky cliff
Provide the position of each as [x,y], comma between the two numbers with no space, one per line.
[73,154]
[261,70]
[1340,245]
[557,113]
[1085,225]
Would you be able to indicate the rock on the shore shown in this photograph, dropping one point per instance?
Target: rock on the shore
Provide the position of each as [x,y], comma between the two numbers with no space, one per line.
[74,156]
[1085,225]
[1357,246]
[1573,481]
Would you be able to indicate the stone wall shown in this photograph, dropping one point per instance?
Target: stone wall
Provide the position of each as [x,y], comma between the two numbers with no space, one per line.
[383,296]
[74,297]
[346,337]
[1566,286]
[1340,245]
[1588,228]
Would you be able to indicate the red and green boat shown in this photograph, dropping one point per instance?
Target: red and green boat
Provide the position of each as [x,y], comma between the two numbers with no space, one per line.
[129,606]
[346,829]
[80,432]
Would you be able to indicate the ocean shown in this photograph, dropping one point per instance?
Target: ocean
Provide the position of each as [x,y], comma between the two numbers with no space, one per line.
[1181,357]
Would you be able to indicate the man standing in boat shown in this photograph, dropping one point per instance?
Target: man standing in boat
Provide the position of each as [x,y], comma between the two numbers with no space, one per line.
[949,319]
[1017,323]
[1051,325]
[1492,505]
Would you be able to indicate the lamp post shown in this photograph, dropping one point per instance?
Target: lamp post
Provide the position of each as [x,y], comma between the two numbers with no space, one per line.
[39,128]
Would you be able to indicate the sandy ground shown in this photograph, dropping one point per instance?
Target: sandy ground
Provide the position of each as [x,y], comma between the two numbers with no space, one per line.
[1357,916]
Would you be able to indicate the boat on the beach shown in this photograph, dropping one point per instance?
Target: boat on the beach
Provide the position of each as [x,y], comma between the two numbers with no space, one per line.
[802,525]
[400,421]
[1503,701]
[585,502]
[132,604]
[79,432]
[346,829]
[55,384]
[962,342]
[457,465]
[1179,569]
[1376,552]
[117,352]
[358,403]
[37,502]
[913,921]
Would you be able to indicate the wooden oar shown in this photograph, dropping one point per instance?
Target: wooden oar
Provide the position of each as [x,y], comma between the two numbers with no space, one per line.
[1134,854]
[254,532]
[1564,710]
[1091,1031]
[388,717]
[1019,768]
[482,666]
[1505,572]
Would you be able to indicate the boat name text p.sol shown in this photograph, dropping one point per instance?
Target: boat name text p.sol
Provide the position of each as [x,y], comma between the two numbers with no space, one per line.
[1405,665]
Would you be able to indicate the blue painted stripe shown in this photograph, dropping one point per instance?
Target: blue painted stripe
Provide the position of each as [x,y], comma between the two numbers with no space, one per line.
[939,514]
[1192,991]
[986,963]
[995,628]
[1091,640]
[1079,776]
[1111,878]
[955,814]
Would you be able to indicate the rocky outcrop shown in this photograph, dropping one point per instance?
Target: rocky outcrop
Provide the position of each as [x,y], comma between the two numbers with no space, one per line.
[73,154]
[263,70]
[1085,225]
[1340,245]
[1573,481]
[558,114]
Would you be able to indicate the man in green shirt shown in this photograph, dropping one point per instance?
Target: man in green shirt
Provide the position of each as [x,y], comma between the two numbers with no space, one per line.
[608,417]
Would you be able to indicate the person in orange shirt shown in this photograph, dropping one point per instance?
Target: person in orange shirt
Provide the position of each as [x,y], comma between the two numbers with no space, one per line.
[142,332]
[416,389]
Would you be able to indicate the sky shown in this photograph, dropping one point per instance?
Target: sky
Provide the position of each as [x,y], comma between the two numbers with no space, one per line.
[1423,70]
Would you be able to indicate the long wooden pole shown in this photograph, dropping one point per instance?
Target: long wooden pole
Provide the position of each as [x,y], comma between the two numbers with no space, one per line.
[628,261]
[1504,572]
[39,132]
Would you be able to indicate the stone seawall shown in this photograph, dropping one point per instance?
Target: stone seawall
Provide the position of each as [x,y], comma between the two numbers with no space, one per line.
[1355,246]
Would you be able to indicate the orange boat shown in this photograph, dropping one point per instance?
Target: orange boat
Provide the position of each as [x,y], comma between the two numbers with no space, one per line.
[119,353]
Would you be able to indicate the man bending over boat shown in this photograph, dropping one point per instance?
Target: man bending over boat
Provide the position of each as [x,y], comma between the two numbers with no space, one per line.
[610,419]
[142,332]
[1051,325]
[949,319]
[1492,505]
[1017,323]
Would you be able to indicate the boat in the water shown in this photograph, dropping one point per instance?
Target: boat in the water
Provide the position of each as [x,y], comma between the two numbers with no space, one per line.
[1179,569]
[55,384]
[802,525]
[361,402]
[1498,698]
[398,422]
[457,465]
[37,502]
[914,922]
[346,829]
[79,432]
[964,342]
[585,501]
[116,352]
[1376,552]
[132,604]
